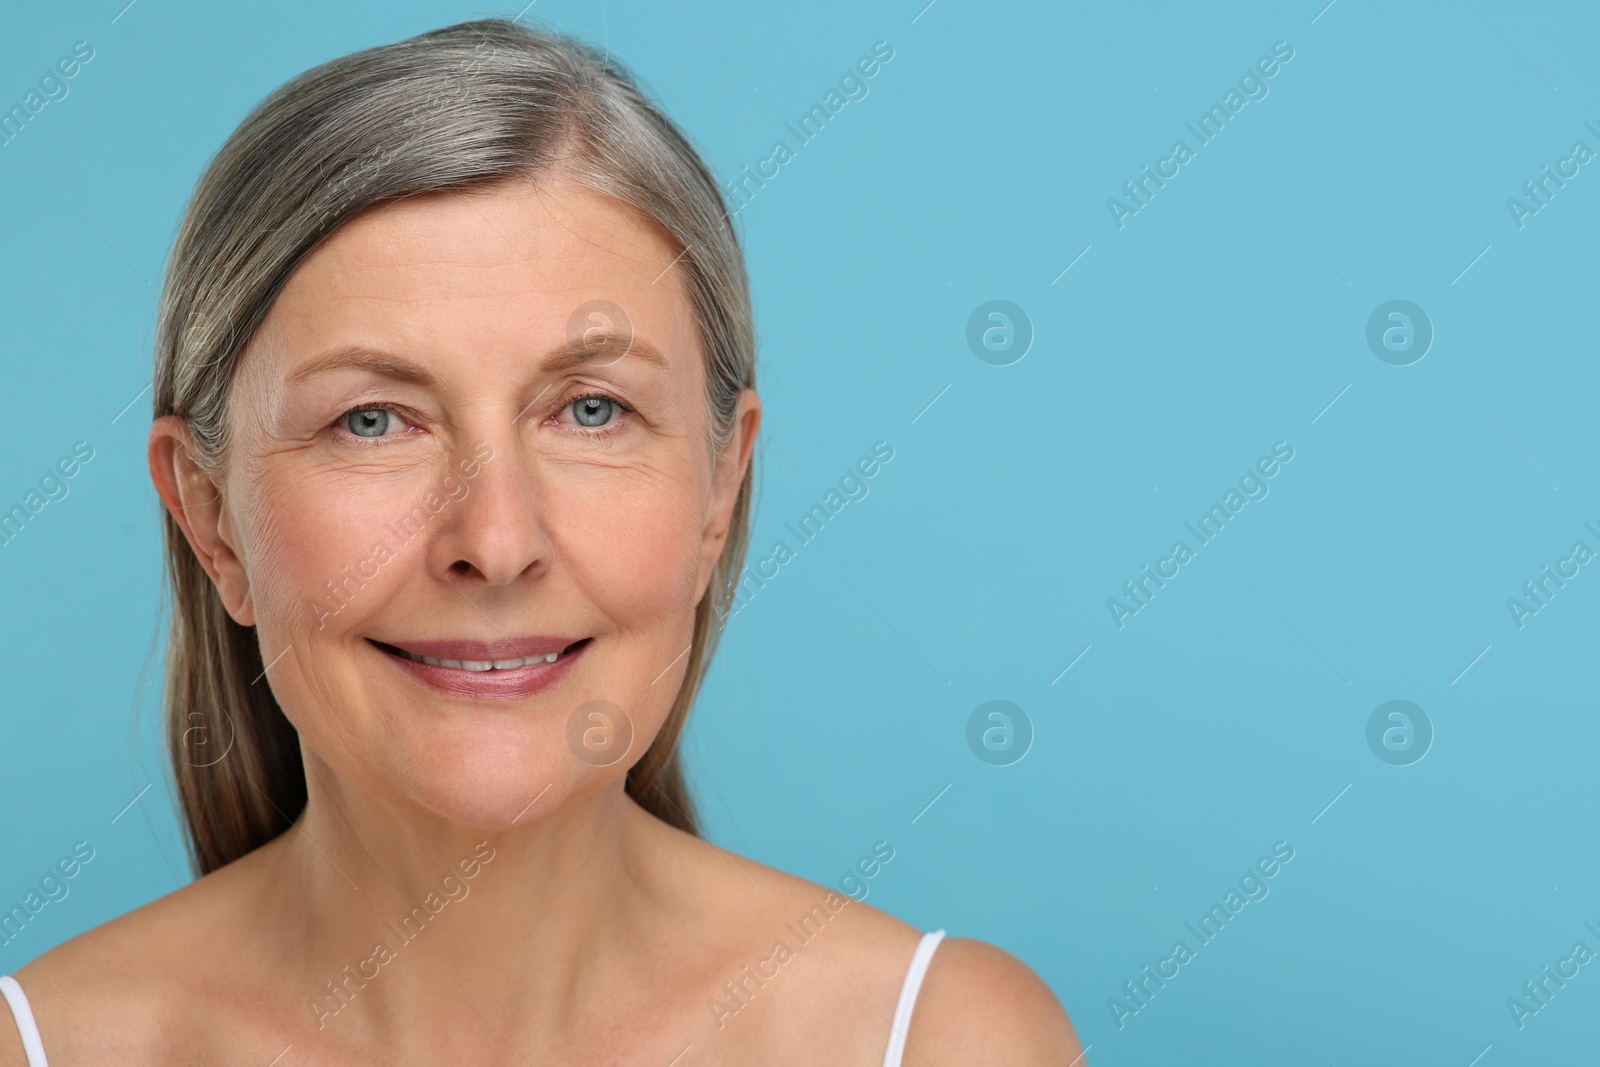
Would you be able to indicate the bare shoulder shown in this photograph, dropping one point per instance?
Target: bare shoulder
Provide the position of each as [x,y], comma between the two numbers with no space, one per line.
[109,993]
[746,893]
[87,995]
[12,1053]
[980,1004]
[753,900]
[977,1003]
[783,969]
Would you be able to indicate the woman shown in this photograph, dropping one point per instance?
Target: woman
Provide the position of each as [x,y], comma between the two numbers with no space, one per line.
[455,408]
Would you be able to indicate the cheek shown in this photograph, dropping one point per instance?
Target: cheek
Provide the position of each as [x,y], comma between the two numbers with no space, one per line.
[315,580]
[631,545]
[310,533]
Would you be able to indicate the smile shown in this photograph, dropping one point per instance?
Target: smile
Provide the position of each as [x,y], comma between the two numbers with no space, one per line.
[487,670]
[482,664]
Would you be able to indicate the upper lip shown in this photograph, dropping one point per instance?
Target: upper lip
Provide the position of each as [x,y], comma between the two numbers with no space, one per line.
[482,651]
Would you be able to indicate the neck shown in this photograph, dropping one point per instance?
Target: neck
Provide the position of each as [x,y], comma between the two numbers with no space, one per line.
[390,903]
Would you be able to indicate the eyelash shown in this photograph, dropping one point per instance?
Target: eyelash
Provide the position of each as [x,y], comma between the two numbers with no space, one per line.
[365,442]
[594,394]
[606,431]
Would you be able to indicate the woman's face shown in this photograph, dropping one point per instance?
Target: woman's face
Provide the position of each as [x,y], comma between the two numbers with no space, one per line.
[473,428]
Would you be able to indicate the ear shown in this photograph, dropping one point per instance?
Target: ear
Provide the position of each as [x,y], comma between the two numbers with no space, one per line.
[196,503]
[733,466]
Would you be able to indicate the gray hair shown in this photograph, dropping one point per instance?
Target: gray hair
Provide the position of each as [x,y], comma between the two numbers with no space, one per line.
[458,108]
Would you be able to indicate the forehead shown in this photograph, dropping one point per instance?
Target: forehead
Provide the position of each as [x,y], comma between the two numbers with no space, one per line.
[489,270]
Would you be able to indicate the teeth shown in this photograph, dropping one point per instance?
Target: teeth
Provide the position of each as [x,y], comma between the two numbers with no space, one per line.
[481,665]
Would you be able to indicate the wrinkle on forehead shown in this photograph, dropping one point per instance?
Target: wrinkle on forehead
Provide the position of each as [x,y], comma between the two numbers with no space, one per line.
[450,250]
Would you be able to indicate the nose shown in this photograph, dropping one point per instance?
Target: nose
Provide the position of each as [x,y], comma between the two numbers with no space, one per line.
[494,533]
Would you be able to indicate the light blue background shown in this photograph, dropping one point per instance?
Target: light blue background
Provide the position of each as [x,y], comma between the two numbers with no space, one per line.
[1221,319]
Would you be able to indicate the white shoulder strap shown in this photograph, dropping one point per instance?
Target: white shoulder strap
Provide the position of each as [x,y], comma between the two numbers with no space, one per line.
[31,1044]
[908,997]
[29,1029]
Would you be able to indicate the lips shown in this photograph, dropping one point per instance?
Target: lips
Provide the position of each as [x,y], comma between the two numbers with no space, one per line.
[467,650]
[501,655]
[489,670]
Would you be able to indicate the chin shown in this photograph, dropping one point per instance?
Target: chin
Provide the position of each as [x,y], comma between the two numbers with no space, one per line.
[494,779]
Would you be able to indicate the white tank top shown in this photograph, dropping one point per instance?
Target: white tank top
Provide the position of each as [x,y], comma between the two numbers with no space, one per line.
[891,1058]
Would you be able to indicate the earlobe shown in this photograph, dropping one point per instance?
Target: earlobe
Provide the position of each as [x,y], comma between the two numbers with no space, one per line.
[196,505]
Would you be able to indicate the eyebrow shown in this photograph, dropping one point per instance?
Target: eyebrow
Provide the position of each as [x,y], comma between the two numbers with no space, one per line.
[569,355]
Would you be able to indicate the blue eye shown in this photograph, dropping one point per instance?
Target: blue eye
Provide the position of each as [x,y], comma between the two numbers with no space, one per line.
[594,411]
[371,422]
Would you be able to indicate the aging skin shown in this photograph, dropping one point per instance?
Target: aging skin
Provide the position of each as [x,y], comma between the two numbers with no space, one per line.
[423,341]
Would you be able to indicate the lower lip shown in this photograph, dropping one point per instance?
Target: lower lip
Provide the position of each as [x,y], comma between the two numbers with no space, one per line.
[516,684]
